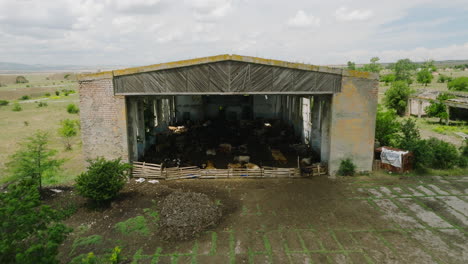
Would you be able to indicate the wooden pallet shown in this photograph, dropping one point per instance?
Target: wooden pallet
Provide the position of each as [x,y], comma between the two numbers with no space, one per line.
[155,171]
[147,170]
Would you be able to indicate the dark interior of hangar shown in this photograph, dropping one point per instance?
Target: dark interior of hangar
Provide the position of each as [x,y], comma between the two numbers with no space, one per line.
[229,131]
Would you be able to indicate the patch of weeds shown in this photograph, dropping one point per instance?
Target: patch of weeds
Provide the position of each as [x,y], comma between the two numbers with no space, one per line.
[86,241]
[218,202]
[24,97]
[17,108]
[151,213]
[445,130]
[133,225]
[41,104]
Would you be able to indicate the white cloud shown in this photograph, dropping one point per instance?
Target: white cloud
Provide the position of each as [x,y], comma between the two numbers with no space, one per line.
[301,19]
[210,9]
[139,32]
[137,6]
[345,14]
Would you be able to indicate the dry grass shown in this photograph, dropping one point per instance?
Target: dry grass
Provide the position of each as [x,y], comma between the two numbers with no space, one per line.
[16,126]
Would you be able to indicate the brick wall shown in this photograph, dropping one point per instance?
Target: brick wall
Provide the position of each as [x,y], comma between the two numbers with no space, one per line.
[103,120]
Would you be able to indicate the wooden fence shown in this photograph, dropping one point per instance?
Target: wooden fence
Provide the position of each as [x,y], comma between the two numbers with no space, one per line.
[155,171]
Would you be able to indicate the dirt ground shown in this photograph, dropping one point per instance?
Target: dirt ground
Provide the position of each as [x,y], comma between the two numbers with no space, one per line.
[388,219]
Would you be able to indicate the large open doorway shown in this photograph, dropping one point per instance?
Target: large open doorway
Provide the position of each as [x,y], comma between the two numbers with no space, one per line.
[229,131]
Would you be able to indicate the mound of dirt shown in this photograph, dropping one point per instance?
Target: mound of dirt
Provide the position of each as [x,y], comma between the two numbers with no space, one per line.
[184,214]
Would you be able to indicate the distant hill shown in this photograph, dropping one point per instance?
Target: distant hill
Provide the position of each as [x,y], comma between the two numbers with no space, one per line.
[11,67]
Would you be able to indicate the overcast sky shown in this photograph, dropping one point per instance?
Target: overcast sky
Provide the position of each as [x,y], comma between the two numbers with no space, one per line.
[139,32]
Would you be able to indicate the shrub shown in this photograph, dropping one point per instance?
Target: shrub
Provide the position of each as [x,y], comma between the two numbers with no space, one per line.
[57,93]
[42,104]
[115,257]
[4,102]
[386,127]
[397,97]
[103,180]
[21,79]
[24,97]
[387,79]
[73,109]
[444,78]
[347,168]
[67,131]
[444,155]
[458,84]
[47,94]
[30,232]
[17,107]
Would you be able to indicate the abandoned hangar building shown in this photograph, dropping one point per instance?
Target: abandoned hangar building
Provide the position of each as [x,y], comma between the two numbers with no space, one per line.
[330,110]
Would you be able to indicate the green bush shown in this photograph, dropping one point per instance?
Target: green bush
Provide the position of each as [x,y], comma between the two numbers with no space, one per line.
[458,84]
[67,131]
[24,97]
[103,180]
[73,109]
[444,155]
[444,78]
[57,93]
[47,94]
[347,168]
[30,232]
[4,102]
[397,96]
[387,79]
[386,127]
[42,104]
[17,107]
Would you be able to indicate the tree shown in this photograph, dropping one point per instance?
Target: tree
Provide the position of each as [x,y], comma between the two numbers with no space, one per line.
[67,131]
[386,127]
[397,97]
[437,108]
[34,160]
[103,180]
[424,76]
[458,84]
[403,69]
[351,65]
[409,135]
[374,66]
[29,232]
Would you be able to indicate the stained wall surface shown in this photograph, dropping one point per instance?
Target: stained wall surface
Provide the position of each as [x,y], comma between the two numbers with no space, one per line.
[103,120]
[352,127]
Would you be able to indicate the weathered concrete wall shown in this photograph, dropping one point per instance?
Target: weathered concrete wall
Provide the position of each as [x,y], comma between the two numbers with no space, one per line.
[103,120]
[352,127]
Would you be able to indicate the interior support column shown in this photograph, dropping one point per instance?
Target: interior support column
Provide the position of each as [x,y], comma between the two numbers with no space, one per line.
[315,136]
[132,127]
[325,129]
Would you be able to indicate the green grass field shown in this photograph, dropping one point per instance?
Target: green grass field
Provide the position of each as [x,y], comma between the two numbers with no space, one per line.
[16,126]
